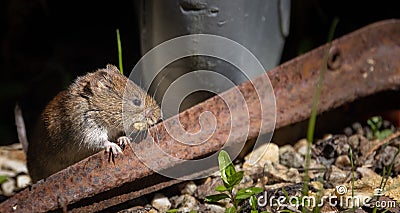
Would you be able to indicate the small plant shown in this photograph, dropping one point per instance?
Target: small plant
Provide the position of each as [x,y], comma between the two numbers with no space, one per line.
[387,172]
[385,177]
[231,179]
[313,115]
[376,124]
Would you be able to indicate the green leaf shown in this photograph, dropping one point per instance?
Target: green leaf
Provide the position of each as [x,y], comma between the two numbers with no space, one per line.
[235,179]
[371,124]
[247,192]
[285,193]
[254,211]
[3,179]
[225,166]
[221,188]
[193,211]
[230,210]
[172,211]
[253,202]
[216,197]
[383,134]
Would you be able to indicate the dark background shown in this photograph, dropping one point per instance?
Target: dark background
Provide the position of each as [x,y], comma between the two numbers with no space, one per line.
[44,45]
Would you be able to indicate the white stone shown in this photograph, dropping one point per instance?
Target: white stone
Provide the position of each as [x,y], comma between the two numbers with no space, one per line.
[15,165]
[23,181]
[189,188]
[266,152]
[301,147]
[7,173]
[214,208]
[8,187]
[185,203]
[289,157]
[161,203]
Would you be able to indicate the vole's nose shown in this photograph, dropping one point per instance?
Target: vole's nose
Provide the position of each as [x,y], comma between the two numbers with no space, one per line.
[151,118]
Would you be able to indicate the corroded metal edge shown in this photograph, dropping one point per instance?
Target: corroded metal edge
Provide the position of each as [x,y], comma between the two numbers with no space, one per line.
[361,63]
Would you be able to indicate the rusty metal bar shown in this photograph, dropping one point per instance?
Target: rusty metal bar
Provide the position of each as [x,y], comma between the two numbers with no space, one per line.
[361,63]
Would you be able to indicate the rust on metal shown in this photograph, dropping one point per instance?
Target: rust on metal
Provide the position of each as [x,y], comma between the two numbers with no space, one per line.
[361,63]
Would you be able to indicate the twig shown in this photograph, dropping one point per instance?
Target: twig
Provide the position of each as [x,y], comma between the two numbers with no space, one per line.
[21,131]
[378,143]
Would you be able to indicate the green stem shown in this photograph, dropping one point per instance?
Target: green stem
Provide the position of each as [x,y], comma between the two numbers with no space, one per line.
[352,177]
[312,121]
[233,199]
[119,53]
[390,168]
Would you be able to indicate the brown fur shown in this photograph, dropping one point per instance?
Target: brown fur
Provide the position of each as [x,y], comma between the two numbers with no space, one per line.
[79,121]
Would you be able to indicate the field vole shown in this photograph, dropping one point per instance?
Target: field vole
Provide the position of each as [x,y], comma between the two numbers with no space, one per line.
[88,117]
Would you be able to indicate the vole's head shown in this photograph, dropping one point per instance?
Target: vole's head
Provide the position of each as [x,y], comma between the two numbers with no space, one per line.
[119,102]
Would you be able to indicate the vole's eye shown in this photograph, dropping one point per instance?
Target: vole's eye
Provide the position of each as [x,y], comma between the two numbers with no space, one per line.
[136,102]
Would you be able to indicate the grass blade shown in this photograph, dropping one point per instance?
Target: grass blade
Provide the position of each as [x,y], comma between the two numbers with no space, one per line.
[313,116]
[121,69]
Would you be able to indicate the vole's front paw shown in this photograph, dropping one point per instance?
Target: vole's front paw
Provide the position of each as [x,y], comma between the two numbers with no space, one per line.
[123,141]
[113,149]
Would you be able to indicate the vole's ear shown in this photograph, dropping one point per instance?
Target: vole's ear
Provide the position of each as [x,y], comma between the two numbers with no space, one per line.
[102,80]
[112,68]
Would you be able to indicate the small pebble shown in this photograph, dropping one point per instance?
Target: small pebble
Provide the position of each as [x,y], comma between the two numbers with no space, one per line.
[7,173]
[188,188]
[140,209]
[161,202]
[289,157]
[336,176]
[358,128]
[301,147]
[327,136]
[184,203]
[354,141]
[343,161]
[368,133]
[14,165]
[23,181]
[8,187]
[367,172]
[364,144]
[268,151]
[348,131]
[279,173]
[214,208]
[386,158]
[317,185]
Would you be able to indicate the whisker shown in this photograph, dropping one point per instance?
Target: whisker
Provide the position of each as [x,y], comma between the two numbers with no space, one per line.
[140,135]
[136,136]
[165,115]
[157,134]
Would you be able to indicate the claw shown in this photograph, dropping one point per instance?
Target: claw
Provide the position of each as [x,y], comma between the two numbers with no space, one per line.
[111,156]
[113,149]
[123,141]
